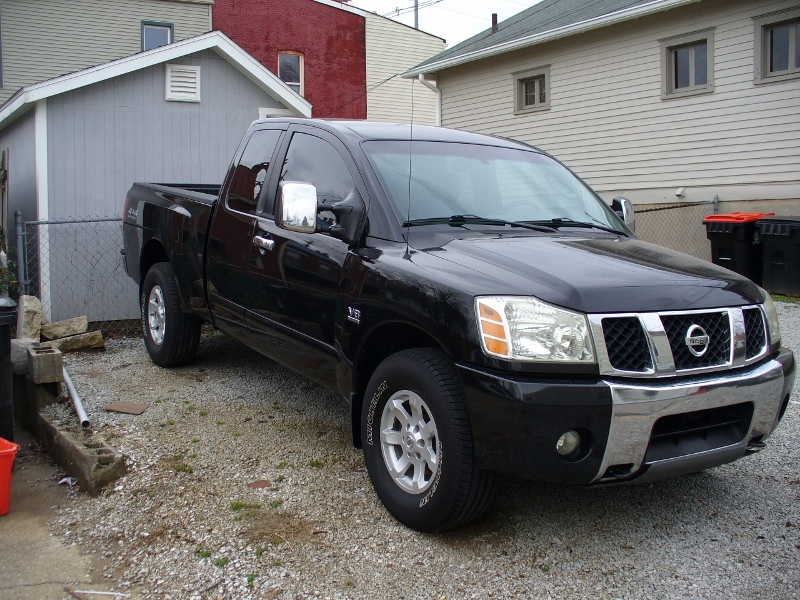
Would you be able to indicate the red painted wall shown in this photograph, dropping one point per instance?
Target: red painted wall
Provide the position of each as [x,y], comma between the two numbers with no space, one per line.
[331,40]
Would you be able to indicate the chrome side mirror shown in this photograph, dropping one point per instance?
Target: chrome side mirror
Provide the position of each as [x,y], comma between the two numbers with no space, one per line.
[624,208]
[297,206]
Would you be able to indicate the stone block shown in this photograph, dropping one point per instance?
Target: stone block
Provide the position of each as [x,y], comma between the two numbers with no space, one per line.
[82,341]
[29,318]
[62,329]
[19,355]
[45,365]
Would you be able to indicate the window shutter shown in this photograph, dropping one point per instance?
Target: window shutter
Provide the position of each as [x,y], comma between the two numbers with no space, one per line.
[183,83]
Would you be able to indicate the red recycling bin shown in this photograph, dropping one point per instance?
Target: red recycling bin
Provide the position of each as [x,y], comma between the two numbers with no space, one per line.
[8,450]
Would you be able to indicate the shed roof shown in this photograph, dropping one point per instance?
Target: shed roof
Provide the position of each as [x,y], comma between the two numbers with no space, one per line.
[545,21]
[215,40]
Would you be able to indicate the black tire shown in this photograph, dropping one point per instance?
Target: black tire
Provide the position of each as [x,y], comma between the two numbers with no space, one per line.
[180,334]
[457,492]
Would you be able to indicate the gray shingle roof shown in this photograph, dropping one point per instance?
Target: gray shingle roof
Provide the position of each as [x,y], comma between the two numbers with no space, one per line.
[540,18]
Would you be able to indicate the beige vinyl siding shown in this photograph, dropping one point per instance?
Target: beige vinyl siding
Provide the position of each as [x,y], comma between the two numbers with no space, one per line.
[393,48]
[607,120]
[47,38]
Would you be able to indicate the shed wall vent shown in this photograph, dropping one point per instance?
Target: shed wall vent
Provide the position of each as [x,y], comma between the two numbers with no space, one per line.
[183,83]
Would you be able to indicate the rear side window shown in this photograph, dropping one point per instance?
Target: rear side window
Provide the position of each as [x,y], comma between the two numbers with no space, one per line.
[250,174]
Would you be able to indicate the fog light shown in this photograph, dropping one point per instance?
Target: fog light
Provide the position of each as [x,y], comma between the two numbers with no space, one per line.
[568,443]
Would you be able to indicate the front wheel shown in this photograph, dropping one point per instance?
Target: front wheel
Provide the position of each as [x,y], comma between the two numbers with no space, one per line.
[170,336]
[418,442]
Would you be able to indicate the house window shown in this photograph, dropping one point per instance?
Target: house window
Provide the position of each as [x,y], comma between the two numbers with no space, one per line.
[777,46]
[688,64]
[290,70]
[155,35]
[532,90]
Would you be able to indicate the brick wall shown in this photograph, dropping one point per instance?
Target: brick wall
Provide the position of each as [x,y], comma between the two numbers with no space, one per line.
[331,40]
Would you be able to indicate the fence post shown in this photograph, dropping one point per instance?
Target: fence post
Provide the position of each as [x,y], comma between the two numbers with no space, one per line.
[716,205]
[22,283]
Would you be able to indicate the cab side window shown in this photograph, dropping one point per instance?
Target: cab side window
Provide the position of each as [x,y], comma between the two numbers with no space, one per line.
[313,160]
[250,174]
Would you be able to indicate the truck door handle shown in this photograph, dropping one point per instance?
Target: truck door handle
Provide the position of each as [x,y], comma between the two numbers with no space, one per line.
[263,243]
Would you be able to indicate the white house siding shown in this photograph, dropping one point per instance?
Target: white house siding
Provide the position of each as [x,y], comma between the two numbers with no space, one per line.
[607,120]
[18,141]
[393,48]
[47,38]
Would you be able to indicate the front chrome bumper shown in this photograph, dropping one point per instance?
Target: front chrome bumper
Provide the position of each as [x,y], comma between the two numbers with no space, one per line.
[637,406]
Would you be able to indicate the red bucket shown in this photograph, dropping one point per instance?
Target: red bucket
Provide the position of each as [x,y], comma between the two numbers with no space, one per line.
[8,451]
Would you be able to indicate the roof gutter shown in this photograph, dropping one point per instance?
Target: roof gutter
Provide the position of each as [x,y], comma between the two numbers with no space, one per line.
[438,92]
[602,21]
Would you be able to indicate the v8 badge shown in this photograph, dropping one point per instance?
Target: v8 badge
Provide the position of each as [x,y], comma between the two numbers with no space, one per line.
[353,314]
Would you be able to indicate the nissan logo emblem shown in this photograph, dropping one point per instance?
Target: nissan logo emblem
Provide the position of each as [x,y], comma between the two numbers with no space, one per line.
[697,340]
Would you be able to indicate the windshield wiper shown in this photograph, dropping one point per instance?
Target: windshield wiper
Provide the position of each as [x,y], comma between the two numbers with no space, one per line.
[567,222]
[458,220]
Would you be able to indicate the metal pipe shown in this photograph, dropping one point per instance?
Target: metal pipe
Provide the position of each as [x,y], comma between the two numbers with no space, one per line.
[435,89]
[76,401]
[22,284]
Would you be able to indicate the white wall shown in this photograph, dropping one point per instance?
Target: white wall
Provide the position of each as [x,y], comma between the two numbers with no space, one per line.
[607,120]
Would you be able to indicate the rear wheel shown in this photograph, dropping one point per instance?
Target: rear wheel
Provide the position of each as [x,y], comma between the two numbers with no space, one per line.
[170,336]
[418,442]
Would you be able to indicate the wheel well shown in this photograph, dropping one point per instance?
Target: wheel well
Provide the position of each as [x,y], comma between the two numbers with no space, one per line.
[152,253]
[380,344]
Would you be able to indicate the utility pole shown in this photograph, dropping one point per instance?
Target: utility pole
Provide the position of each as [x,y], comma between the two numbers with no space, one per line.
[416,14]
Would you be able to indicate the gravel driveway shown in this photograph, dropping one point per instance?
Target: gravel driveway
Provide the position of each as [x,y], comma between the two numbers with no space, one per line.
[185,524]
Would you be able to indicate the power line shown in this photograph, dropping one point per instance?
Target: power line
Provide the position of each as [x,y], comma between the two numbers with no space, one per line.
[401,11]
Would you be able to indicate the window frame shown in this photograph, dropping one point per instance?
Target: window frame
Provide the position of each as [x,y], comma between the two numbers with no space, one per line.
[170,26]
[268,176]
[302,70]
[668,47]
[522,77]
[762,24]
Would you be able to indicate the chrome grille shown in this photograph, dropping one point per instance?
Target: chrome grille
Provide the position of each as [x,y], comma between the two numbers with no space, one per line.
[627,344]
[756,335]
[718,327]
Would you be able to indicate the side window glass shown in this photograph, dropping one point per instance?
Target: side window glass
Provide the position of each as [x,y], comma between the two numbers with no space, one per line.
[313,160]
[251,173]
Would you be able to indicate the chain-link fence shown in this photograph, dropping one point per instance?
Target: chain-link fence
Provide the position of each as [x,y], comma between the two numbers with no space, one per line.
[74,267]
[677,226]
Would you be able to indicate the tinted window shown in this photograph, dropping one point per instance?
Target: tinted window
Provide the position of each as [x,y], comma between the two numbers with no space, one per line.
[251,172]
[313,160]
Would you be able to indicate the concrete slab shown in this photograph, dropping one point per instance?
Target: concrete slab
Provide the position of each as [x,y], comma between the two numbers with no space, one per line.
[35,565]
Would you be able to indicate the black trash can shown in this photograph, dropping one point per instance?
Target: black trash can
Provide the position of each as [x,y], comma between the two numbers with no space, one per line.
[734,243]
[780,240]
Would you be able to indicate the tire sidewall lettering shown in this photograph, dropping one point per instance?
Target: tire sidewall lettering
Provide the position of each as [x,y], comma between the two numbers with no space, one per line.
[436,480]
[372,406]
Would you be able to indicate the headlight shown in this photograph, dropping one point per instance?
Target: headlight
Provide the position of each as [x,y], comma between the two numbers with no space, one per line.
[772,320]
[525,328]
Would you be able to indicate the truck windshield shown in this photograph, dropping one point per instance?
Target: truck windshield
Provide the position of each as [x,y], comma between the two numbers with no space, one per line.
[449,180]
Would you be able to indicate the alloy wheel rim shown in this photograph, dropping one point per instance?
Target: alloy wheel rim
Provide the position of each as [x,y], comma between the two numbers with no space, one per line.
[156,315]
[410,442]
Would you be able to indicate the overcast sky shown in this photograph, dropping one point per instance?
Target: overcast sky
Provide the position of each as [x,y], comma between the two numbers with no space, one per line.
[454,20]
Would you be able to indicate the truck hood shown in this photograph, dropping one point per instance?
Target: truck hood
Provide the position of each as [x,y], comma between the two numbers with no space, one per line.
[600,274]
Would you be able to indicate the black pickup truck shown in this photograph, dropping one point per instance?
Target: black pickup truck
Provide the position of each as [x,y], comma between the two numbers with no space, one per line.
[479,307]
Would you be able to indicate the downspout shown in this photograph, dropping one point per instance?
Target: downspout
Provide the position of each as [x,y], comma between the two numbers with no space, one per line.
[438,92]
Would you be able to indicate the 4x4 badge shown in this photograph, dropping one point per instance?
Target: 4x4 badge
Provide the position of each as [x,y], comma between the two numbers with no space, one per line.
[697,340]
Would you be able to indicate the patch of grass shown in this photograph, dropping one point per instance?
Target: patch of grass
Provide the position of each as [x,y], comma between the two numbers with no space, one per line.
[203,553]
[276,541]
[191,407]
[781,298]
[282,464]
[203,413]
[172,390]
[275,563]
[237,434]
[221,562]
[220,422]
[279,478]
[159,401]
[336,460]
[316,464]
[184,468]
[151,494]
[186,402]
[177,457]
[276,503]
[135,492]
[195,440]
[251,577]
[109,509]
[238,517]
[259,552]
[545,569]
[237,506]
[349,584]
[193,455]
[170,422]
[276,406]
